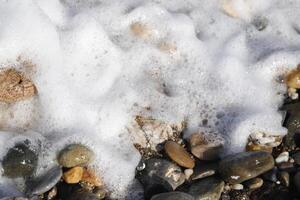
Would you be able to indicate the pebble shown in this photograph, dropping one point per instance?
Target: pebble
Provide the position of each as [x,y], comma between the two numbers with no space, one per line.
[296,158]
[172,196]
[258,147]
[188,173]
[203,148]
[254,183]
[45,182]
[237,187]
[89,176]
[204,169]
[160,176]
[287,166]
[14,86]
[179,155]
[293,79]
[75,155]
[208,188]
[20,161]
[284,178]
[244,166]
[271,175]
[283,157]
[73,175]
[82,194]
[297,181]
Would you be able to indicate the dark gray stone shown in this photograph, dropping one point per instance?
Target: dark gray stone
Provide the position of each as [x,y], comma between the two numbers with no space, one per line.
[20,161]
[160,176]
[173,196]
[296,157]
[284,178]
[207,188]
[203,169]
[44,183]
[244,166]
[271,175]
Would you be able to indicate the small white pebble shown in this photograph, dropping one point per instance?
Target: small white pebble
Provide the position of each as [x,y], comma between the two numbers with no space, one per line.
[291,160]
[237,187]
[283,157]
[188,173]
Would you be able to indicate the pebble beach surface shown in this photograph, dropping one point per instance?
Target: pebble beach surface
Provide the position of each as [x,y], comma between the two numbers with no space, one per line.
[149,99]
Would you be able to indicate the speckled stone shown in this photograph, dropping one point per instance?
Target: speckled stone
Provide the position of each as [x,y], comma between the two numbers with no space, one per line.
[75,155]
[244,166]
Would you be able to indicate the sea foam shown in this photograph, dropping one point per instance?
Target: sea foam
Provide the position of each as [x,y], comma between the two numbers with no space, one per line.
[97,64]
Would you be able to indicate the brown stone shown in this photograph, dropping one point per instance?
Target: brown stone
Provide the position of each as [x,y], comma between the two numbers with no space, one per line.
[204,149]
[15,87]
[292,79]
[73,175]
[257,147]
[89,176]
[179,155]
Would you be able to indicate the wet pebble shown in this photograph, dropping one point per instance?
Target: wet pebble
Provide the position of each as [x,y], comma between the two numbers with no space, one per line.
[237,187]
[172,196]
[208,188]
[254,183]
[160,176]
[296,158]
[284,178]
[179,155]
[204,169]
[297,181]
[244,166]
[45,182]
[75,155]
[82,194]
[271,175]
[73,175]
[282,157]
[204,148]
[20,161]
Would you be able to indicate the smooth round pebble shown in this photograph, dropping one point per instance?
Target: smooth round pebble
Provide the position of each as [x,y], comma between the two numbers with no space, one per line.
[20,161]
[282,157]
[179,155]
[73,175]
[237,187]
[75,155]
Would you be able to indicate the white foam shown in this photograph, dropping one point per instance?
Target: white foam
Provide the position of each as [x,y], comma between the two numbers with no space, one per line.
[93,74]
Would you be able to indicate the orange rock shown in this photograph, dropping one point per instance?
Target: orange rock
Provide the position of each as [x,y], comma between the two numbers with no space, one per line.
[90,177]
[14,86]
[292,79]
[258,147]
[179,155]
[73,175]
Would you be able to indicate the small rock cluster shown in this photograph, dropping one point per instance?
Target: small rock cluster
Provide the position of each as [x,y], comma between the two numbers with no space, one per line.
[192,169]
[71,179]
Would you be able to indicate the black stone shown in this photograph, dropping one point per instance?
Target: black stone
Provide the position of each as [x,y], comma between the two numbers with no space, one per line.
[20,161]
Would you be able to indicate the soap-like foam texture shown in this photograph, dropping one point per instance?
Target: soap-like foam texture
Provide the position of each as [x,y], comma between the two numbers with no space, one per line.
[99,63]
